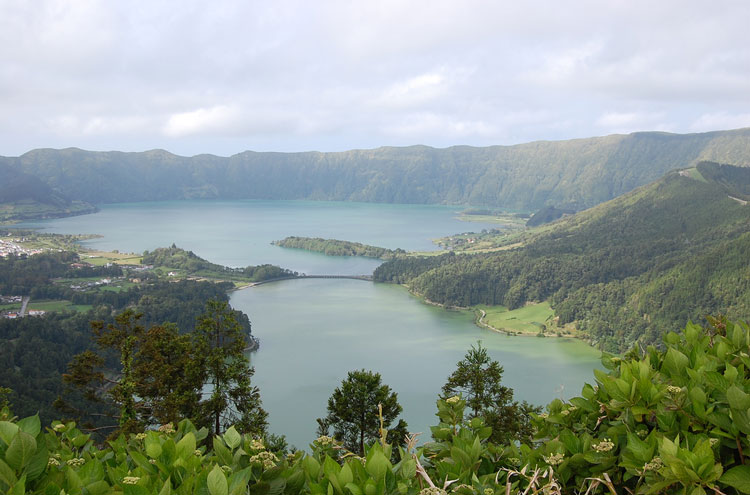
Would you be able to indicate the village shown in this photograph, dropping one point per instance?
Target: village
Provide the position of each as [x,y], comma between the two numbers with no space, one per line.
[8,247]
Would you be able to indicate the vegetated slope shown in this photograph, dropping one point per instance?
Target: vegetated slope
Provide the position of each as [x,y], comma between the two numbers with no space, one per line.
[576,173]
[624,271]
[195,266]
[25,196]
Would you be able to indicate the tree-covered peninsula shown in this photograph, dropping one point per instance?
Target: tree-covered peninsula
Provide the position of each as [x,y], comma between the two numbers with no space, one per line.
[335,247]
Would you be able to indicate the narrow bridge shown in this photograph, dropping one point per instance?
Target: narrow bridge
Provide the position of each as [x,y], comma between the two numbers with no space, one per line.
[367,278]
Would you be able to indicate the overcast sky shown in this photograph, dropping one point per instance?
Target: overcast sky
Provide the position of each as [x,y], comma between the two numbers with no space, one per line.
[222,77]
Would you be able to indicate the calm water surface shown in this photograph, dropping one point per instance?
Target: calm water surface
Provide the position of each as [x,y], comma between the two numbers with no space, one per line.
[314,331]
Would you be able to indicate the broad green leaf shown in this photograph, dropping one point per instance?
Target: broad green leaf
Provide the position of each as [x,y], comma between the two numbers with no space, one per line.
[377,465]
[345,475]
[39,460]
[675,362]
[354,489]
[640,449]
[97,488]
[153,446]
[80,440]
[31,425]
[232,438]
[186,446]
[135,490]
[73,482]
[220,450]
[460,457]
[7,431]
[20,450]
[737,398]
[217,482]
[20,487]
[311,466]
[238,480]
[571,442]
[408,469]
[6,474]
[738,477]
[330,467]
[166,488]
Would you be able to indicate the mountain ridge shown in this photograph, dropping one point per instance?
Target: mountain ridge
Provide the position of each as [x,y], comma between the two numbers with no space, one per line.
[577,173]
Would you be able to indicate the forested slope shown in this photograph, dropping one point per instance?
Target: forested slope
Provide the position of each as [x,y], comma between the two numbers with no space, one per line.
[642,264]
[24,196]
[576,173]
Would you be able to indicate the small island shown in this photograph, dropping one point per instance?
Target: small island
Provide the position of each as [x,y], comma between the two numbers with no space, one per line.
[335,247]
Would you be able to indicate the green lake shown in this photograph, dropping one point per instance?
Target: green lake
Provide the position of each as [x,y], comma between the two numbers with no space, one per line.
[314,331]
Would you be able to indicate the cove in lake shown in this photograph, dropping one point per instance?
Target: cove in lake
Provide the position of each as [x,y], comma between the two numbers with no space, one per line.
[314,331]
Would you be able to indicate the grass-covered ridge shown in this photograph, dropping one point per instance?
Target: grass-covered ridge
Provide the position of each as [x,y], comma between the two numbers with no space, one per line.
[658,421]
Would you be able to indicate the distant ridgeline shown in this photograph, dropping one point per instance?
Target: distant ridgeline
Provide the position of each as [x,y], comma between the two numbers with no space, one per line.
[577,173]
[625,271]
[335,247]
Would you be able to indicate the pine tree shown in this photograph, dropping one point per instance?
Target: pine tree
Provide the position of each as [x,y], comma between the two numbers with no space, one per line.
[353,411]
[220,345]
[477,379]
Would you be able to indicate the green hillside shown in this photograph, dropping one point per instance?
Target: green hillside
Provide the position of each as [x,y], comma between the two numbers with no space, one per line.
[577,173]
[642,264]
[24,196]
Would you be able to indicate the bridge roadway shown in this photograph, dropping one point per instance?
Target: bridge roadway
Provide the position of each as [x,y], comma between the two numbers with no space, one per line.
[367,278]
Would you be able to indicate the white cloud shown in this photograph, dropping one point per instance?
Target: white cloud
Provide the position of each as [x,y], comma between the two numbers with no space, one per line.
[720,120]
[293,74]
[216,119]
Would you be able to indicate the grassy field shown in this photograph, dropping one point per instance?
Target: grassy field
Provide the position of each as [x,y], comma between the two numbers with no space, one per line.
[58,306]
[100,258]
[526,320]
[10,307]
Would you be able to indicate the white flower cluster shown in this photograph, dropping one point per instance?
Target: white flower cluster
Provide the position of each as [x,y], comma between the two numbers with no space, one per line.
[453,400]
[140,436]
[80,461]
[325,441]
[130,480]
[554,459]
[53,462]
[268,459]
[257,445]
[654,465]
[604,446]
[167,428]
[673,390]
[432,490]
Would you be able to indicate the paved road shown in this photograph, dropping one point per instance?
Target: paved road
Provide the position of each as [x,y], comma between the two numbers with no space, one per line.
[24,303]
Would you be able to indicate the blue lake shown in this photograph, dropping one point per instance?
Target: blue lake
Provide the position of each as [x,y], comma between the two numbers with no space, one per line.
[314,331]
